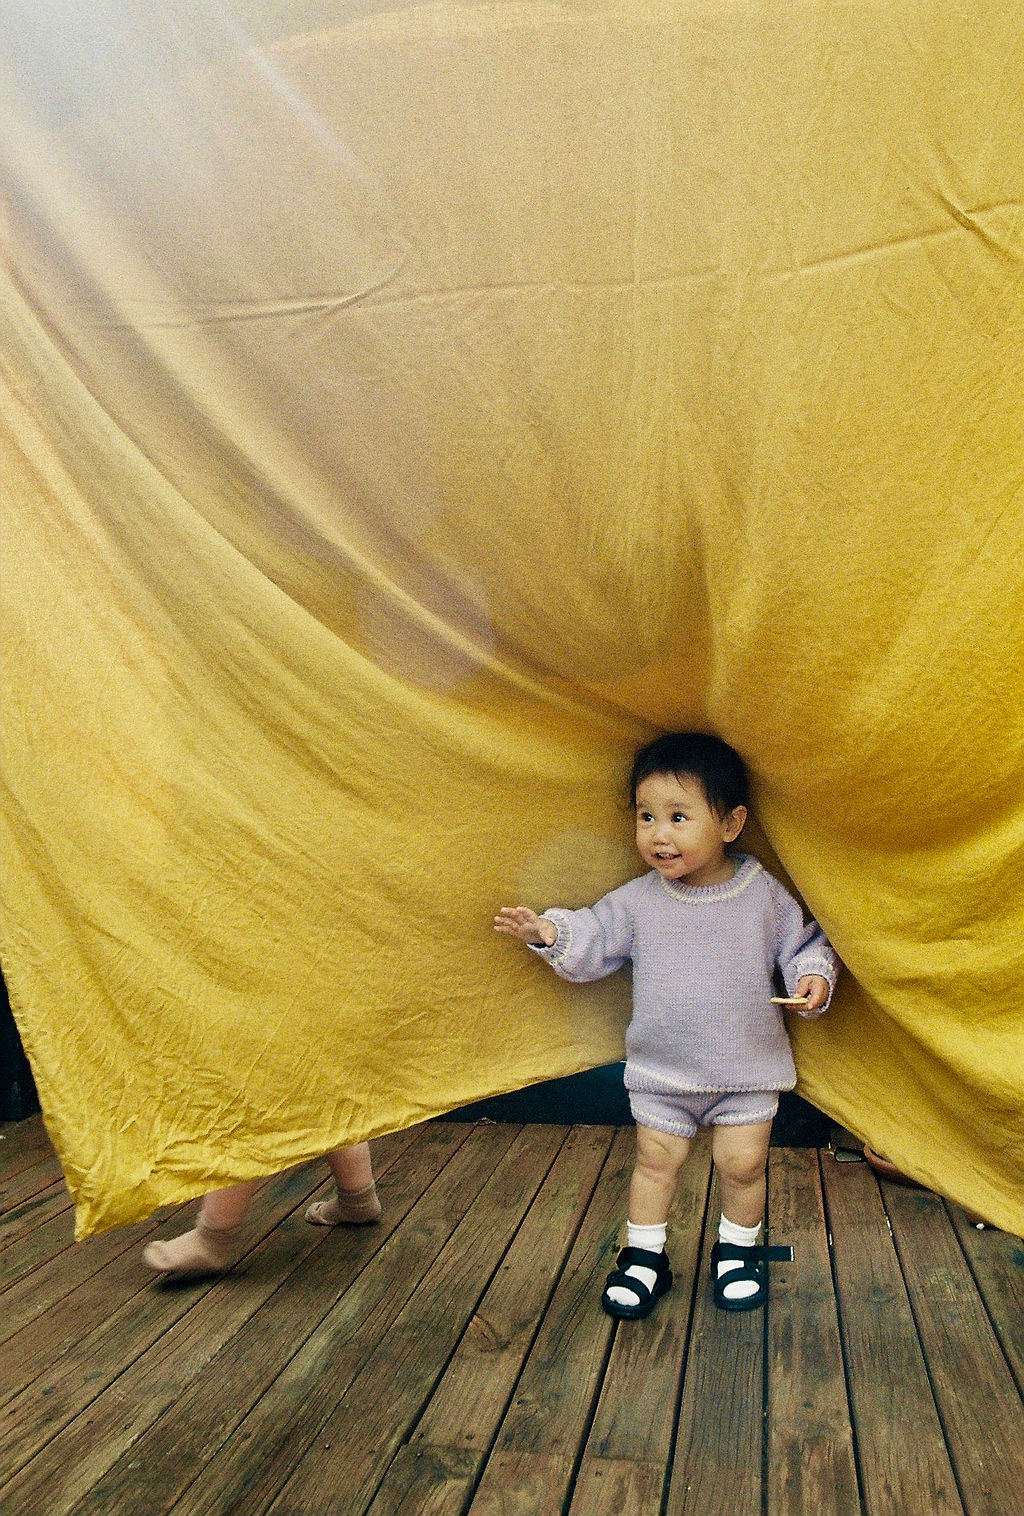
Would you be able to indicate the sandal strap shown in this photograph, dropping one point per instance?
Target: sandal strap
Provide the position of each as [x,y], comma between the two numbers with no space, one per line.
[642,1258]
[731,1252]
[749,1267]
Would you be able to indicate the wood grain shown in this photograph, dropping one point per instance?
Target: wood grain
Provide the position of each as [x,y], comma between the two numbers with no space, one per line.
[717,1463]
[157,1427]
[904,1463]
[551,1409]
[456,1357]
[296,1373]
[974,1390]
[996,1260]
[631,1428]
[810,1460]
[23,1143]
[355,1445]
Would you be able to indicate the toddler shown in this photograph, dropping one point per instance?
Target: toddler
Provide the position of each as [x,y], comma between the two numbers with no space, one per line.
[706,930]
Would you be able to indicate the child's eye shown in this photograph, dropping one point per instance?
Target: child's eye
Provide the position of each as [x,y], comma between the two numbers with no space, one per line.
[678,816]
[646,816]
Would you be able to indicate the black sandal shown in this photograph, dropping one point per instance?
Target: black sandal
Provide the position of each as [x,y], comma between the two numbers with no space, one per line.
[647,1298]
[752,1263]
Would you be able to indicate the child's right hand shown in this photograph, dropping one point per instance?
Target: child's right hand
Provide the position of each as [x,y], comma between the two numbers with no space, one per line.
[519,921]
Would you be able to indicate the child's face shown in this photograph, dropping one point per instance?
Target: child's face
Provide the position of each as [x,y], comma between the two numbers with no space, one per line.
[680,834]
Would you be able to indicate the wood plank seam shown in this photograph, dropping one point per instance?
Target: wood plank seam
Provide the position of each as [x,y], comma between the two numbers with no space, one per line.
[27,1403]
[929,1371]
[997,1331]
[15,1189]
[158,1442]
[581,1446]
[146,1434]
[717,1457]
[915,1313]
[298,1425]
[625,1457]
[983,1428]
[691,1309]
[540,1432]
[410,1434]
[22,1143]
[22,1219]
[291,1188]
[568,1245]
[433,1438]
[843,1341]
[30,1256]
[144,1287]
[808,1432]
[843,1351]
[434,1316]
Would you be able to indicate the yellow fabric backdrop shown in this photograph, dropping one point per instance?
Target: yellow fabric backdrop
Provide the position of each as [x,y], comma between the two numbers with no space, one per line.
[409,409]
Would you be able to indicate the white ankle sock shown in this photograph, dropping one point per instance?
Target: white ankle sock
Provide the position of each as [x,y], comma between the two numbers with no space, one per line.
[740,1237]
[652,1238]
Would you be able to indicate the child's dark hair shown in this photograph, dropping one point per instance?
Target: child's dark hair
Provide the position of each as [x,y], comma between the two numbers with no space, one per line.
[719,768]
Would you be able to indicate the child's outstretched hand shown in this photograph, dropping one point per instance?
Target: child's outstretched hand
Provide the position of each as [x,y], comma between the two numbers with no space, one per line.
[815,988]
[519,921]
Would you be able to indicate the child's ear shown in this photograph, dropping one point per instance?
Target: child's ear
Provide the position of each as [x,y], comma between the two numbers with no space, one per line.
[733,824]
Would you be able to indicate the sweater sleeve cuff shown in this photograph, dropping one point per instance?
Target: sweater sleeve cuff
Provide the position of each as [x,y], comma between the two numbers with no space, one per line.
[559,949]
[820,966]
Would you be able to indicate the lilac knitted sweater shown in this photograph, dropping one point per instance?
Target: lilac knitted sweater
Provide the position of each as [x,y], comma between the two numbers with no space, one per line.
[703,959]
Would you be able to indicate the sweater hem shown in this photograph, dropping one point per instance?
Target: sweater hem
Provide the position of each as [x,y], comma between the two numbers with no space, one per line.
[727,1087]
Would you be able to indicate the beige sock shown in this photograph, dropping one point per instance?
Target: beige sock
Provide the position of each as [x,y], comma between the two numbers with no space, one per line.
[346,1207]
[204,1250]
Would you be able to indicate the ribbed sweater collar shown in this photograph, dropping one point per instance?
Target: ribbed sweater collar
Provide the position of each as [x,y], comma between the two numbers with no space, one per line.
[708,894]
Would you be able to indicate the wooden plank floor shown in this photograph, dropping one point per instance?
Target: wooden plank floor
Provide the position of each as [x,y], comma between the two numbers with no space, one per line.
[455,1358]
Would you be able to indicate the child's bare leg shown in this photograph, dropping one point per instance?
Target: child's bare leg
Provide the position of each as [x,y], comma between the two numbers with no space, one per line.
[212,1245]
[352,1167]
[659,1157]
[225,1209]
[355,1200]
[740,1154]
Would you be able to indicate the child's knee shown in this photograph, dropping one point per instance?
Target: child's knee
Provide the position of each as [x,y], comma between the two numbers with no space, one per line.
[740,1168]
[660,1154]
[740,1154]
